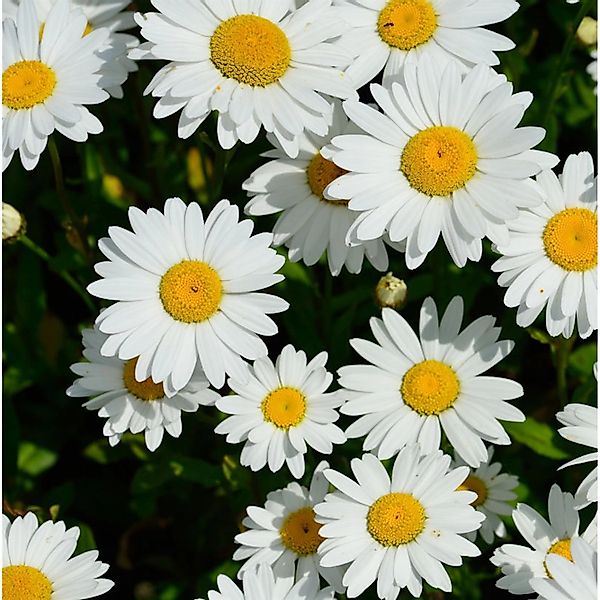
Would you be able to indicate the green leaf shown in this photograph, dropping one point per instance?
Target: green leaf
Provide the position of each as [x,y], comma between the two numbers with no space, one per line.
[540,437]
[197,471]
[34,460]
[86,539]
[582,359]
[151,476]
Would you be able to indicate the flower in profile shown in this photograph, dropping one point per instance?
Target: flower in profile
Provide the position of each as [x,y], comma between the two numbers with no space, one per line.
[38,562]
[187,292]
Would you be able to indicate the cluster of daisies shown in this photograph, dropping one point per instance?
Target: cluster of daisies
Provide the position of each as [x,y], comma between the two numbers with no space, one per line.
[439,154]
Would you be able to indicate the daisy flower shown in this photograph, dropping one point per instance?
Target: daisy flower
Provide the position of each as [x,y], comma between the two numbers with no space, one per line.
[186,292]
[388,34]
[280,409]
[310,224]
[550,258]
[47,80]
[259,63]
[581,427]
[445,157]
[37,562]
[129,404]
[495,490]
[397,531]
[414,387]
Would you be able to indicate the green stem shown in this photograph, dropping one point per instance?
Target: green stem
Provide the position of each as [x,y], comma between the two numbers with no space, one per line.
[222,161]
[562,350]
[327,308]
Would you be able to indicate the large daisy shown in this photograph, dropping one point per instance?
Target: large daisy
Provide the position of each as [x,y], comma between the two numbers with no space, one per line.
[397,531]
[279,410]
[129,404]
[258,63]
[187,293]
[387,34]
[445,157]
[550,260]
[47,80]
[38,562]
[415,387]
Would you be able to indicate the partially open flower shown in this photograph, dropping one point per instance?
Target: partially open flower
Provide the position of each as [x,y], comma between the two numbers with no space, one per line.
[391,292]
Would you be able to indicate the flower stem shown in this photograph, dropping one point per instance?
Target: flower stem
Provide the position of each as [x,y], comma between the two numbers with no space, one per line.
[561,351]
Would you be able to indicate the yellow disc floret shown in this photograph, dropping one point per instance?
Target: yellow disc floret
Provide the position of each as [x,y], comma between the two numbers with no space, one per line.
[145,390]
[477,485]
[571,239]
[251,50]
[430,387]
[562,548]
[439,160]
[285,407]
[395,519]
[22,582]
[320,173]
[191,291]
[406,24]
[300,532]
[27,83]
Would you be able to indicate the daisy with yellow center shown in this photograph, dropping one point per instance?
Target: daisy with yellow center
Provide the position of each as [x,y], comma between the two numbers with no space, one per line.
[395,530]
[188,293]
[38,562]
[259,63]
[416,387]
[445,158]
[550,259]
[279,410]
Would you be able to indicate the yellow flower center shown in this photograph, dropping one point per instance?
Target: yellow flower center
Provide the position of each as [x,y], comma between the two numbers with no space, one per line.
[285,407]
[27,83]
[562,548]
[406,24]
[191,291]
[88,29]
[320,173]
[143,390]
[475,484]
[395,519]
[251,50]
[571,239]
[300,532]
[430,387]
[21,582]
[439,160]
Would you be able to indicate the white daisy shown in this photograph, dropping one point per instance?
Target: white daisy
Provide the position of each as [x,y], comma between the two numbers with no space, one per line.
[129,404]
[37,562]
[581,427]
[494,493]
[388,34]
[413,386]
[397,531]
[256,62]
[281,409]
[445,157]
[285,535]
[550,258]
[187,293]
[47,80]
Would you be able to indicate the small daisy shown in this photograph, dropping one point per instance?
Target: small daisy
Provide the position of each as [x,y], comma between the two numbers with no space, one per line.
[388,34]
[397,531]
[281,409]
[37,562]
[445,157]
[581,423]
[129,404]
[285,535]
[495,492]
[187,293]
[47,79]
[550,258]
[415,387]
[259,63]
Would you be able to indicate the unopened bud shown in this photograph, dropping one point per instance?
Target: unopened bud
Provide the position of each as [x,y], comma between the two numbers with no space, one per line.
[13,223]
[391,292]
[587,32]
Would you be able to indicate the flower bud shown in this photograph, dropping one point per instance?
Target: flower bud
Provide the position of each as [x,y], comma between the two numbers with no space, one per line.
[587,32]
[391,292]
[13,223]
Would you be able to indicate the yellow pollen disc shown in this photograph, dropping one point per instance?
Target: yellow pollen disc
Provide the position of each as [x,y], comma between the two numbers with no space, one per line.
[430,387]
[395,519]
[143,390]
[475,484]
[88,29]
[285,407]
[300,532]
[439,160]
[562,548]
[571,239]
[21,582]
[27,83]
[320,173]
[191,291]
[406,24]
[251,50]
